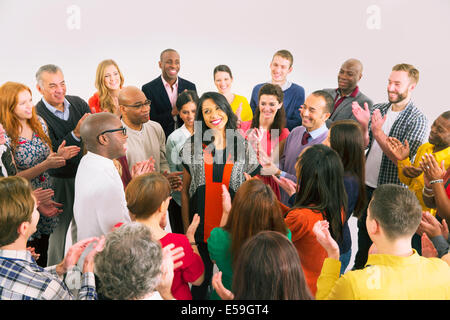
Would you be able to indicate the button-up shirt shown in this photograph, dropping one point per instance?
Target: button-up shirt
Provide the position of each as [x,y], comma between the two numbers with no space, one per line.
[63,115]
[22,279]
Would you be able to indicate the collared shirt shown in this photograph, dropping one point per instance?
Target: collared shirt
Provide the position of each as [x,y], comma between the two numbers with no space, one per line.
[63,115]
[412,125]
[285,86]
[339,99]
[172,91]
[319,131]
[22,279]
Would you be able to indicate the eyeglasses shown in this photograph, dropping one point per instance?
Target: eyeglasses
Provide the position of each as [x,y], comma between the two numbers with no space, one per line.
[139,104]
[123,129]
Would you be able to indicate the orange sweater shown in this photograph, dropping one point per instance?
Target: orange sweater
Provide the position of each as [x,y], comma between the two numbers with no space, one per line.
[301,222]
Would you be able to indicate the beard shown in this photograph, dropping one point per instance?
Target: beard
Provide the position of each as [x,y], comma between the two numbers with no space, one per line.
[400,97]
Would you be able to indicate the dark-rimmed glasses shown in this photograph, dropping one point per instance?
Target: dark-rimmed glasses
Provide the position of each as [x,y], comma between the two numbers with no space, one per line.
[123,129]
[139,104]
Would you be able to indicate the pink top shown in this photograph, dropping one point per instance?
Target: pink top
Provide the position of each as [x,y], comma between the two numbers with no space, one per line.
[172,92]
[191,269]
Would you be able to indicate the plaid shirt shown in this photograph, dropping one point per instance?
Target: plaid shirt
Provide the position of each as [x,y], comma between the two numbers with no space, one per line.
[412,125]
[22,279]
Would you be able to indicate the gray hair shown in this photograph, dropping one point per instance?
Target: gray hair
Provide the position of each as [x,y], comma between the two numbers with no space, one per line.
[129,266]
[50,68]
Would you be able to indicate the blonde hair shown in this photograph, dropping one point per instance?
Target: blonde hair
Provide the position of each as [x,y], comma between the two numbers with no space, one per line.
[105,98]
[413,73]
[9,98]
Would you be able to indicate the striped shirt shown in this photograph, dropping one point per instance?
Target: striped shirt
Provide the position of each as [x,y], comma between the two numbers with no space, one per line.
[412,125]
[22,279]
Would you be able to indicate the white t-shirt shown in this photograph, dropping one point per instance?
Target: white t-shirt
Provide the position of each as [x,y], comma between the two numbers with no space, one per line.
[373,161]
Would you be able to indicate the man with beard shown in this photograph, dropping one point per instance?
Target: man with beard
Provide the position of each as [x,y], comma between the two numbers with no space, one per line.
[348,91]
[398,118]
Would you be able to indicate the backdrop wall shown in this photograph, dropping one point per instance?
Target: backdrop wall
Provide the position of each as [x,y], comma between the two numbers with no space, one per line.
[244,34]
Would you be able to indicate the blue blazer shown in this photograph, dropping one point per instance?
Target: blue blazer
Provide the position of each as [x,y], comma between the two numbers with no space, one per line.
[160,108]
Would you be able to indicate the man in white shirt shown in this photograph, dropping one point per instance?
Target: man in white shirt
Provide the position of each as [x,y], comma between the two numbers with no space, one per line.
[99,195]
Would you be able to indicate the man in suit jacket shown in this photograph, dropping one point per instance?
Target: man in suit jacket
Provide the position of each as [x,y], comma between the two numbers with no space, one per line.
[347,91]
[164,90]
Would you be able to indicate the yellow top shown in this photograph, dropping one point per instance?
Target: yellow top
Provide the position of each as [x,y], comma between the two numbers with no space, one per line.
[386,277]
[416,184]
[246,114]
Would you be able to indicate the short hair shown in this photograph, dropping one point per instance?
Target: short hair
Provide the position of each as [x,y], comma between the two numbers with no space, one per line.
[413,73]
[16,207]
[50,68]
[286,55]
[145,193]
[166,50]
[329,101]
[397,210]
[279,122]
[446,115]
[129,266]
[186,97]
[269,268]
[223,68]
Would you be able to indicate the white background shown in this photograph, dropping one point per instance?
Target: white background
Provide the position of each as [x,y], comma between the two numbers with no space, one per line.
[243,34]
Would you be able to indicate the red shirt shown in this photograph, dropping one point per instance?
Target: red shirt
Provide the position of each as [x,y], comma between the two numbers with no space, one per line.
[191,269]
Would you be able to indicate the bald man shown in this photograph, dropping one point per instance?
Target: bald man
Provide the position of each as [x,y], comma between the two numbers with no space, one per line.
[348,91]
[99,195]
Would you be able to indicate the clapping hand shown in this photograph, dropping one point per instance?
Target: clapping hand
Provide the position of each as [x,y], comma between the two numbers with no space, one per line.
[323,236]
[286,184]
[67,152]
[398,150]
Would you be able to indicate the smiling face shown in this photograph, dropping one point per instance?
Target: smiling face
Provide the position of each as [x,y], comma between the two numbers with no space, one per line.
[348,76]
[111,77]
[268,107]
[53,88]
[187,114]
[440,132]
[279,69]
[24,107]
[214,117]
[223,81]
[170,65]
[313,112]
[399,87]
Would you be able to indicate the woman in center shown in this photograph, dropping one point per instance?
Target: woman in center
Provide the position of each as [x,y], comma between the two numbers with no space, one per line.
[215,155]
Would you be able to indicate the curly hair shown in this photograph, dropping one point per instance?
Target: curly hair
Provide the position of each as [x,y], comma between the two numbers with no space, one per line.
[129,266]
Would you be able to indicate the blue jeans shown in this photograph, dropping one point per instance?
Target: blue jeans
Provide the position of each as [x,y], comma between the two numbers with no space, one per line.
[345,260]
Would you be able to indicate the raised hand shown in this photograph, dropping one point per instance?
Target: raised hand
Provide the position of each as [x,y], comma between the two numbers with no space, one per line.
[377,120]
[190,233]
[432,170]
[175,180]
[43,195]
[67,152]
[411,172]
[54,161]
[428,249]
[74,254]
[76,131]
[143,167]
[398,150]
[50,208]
[362,115]
[238,115]
[217,284]
[226,205]
[286,184]
[323,236]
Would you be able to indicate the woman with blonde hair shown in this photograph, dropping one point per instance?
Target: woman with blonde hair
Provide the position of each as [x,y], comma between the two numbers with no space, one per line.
[108,81]
[27,136]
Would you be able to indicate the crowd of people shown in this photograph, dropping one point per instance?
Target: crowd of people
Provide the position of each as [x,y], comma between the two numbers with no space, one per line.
[161,186]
